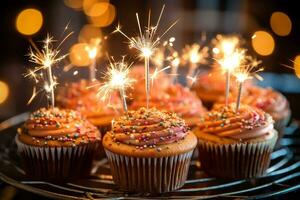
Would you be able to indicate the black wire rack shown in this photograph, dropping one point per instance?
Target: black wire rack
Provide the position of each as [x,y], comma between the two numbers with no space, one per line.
[283,175]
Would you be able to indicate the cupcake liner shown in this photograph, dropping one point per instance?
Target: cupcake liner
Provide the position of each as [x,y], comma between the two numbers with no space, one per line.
[149,175]
[279,125]
[57,163]
[241,160]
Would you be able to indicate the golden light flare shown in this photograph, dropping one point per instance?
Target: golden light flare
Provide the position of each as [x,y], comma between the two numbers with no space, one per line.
[106,18]
[195,54]
[280,23]
[79,56]
[4,92]
[29,21]
[89,32]
[74,4]
[263,43]
[297,65]
[231,62]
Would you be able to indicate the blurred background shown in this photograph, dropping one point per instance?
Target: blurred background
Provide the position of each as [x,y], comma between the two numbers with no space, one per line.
[271,29]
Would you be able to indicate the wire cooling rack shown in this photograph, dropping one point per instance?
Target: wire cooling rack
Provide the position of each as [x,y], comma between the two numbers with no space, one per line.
[283,175]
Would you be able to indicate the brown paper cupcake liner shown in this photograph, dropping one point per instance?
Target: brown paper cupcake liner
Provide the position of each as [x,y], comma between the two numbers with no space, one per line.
[57,164]
[149,175]
[241,160]
[279,125]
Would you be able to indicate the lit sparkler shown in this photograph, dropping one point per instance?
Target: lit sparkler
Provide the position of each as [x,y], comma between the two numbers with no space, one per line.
[194,55]
[93,49]
[156,72]
[146,42]
[245,72]
[229,63]
[117,79]
[45,59]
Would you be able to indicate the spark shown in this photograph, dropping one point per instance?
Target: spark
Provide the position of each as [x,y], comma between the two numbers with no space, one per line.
[157,72]
[225,45]
[118,79]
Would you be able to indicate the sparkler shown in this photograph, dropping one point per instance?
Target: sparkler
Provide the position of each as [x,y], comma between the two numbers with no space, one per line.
[146,42]
[229,63]
[117,79]
[156,72]
[245,72]
[194,55]
[45,59]
[93,50]
[225,45]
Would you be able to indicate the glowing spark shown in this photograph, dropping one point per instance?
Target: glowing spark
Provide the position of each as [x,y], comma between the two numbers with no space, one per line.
[45,59]
[232,61]
[225,45]
[75,73]
[146,42]
[157,72]
[117,79]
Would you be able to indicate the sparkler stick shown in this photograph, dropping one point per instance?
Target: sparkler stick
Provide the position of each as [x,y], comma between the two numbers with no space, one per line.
[244,72]
[146,42]
[93,52]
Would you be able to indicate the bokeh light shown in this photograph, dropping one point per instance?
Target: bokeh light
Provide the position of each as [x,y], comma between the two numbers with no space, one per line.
[4,91]
[75,4]
[297,65]
[89,32]
[106,18]
[79,56]
[97,9]
[29,21]
[281,24]
[263,43]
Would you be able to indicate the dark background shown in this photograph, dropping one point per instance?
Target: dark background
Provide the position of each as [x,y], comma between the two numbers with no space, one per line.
[196,16]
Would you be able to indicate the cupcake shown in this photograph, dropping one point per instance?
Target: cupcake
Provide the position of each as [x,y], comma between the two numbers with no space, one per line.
[149,151]
[270,101]
[210,86]
[82,96]
[57,144]
[175,98]
[236,144]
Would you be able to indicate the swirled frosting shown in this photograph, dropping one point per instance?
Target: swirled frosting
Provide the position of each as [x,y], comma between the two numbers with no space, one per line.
[60,126]
[148,128]
[248,123]
[175,98]
[82,96]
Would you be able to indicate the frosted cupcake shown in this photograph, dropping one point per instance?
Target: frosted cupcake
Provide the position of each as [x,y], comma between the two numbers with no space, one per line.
[149,151]
[236,144]
[175,98]
[82,96]
[270,101]
[57,144]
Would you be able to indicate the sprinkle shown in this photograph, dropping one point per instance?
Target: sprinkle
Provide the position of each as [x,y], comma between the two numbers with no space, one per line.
[158,149]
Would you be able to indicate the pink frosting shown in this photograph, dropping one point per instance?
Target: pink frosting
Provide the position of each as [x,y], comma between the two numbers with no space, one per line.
[148,128]
[249,122]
